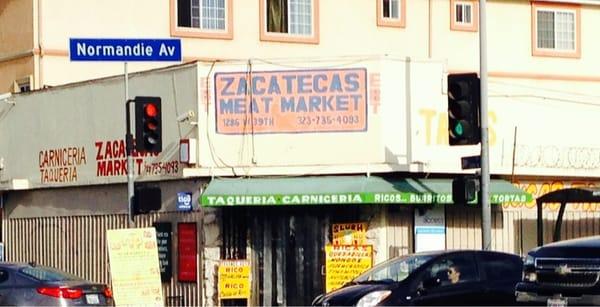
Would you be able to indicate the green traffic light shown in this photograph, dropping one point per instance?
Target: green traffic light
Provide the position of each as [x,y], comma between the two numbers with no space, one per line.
[458,129]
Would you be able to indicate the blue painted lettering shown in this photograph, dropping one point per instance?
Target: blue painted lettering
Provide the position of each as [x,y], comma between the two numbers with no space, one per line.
[241,90]
[314,103]
[304,84]
[336,84]
[239,105]
[317,83]
[226,106]
[301,105]
[288,104]
[341,103]
[274,86]
[289,83]
[228,83]
[352,82]
[256,81]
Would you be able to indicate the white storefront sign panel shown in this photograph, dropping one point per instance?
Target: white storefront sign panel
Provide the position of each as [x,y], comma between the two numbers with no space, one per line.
[430,229]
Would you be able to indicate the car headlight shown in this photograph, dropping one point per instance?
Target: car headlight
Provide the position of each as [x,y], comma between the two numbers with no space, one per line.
[530,276]
[373,298]
[529,260]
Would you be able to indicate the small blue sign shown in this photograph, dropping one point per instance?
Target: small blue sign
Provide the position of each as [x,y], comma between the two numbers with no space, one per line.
[184,201]
[124,50]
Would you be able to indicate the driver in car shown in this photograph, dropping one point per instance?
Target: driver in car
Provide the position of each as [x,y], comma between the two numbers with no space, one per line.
[453,274]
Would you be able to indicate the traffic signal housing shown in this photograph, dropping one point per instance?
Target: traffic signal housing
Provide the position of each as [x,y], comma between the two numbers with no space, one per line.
[465,189]
[148,124]
[464,101]
[147,198]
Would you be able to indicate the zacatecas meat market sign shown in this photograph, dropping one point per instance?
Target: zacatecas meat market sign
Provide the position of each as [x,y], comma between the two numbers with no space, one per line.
[293,101]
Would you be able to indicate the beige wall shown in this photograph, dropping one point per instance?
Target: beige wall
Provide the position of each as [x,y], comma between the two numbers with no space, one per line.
[16,42]
[14,70]
[348,29]
[16,26]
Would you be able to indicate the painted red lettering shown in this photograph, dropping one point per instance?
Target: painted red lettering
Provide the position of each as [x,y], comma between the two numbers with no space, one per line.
[99,151]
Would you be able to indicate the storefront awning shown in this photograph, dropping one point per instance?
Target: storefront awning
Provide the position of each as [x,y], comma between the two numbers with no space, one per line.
[343,190]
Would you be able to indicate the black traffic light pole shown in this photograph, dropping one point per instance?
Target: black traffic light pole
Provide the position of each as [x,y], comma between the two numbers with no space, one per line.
[129,150]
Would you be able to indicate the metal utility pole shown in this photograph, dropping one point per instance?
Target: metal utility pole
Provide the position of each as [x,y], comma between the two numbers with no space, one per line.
[486,209]
[129,149]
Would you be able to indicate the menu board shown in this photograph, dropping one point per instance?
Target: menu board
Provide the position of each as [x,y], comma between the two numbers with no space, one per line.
[345,262]
[234,279]
[163,242]
[349,233]
[134,269]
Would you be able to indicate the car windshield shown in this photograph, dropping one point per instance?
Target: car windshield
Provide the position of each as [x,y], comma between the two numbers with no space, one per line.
[393,270]
[47,274]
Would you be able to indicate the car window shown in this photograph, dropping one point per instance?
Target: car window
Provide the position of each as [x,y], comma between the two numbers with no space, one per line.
[3,276]
[453,269]
[501,267]
[396,269]
[47,274]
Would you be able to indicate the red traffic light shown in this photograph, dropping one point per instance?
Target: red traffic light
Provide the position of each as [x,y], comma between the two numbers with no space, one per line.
[148,126]
[150,109]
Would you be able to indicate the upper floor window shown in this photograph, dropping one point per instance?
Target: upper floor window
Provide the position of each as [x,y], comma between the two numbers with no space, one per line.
[202,18]
[556,30]
[391,13]
[289,20]
[23,85]
[464,15]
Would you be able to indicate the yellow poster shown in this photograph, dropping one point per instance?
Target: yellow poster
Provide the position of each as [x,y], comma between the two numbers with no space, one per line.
[345,262]
[349,234]
[234,279]
[134,269]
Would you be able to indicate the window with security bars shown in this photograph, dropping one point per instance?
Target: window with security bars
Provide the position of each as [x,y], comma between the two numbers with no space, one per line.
[556,30]
[290,16]
[202,14]
[463,13]
[391,9]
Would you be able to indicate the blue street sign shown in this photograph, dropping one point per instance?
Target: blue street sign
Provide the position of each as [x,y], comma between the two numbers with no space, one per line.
[184,201]
[124,50]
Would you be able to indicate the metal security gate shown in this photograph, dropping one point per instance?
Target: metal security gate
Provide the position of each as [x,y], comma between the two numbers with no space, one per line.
[77,244]
[288,251]
[288,246]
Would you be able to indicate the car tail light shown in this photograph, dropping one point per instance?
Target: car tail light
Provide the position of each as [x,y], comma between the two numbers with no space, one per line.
[107,292]
[72,293]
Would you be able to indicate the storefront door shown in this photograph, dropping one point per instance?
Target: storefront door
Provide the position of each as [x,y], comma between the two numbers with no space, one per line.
[288,251]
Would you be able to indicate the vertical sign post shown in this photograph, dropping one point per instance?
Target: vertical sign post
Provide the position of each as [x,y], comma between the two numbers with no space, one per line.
[486,209]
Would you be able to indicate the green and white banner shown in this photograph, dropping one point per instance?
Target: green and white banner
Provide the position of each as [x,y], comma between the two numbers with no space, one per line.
[346,198]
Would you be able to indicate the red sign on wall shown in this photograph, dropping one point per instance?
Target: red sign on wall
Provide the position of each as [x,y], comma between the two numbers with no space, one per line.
[187,248]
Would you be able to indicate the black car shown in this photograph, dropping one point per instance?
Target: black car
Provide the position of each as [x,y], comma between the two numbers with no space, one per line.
[561,273]
[463,277]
